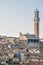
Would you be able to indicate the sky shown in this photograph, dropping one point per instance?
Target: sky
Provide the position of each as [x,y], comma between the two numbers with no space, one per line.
[18,16]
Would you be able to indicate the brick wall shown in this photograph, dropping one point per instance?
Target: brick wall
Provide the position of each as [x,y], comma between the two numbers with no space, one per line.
[35,63]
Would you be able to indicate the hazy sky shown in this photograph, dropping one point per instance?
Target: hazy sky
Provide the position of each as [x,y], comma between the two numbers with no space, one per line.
[17,16]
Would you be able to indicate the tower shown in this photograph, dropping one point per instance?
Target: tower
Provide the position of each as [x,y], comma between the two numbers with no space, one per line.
[36,23]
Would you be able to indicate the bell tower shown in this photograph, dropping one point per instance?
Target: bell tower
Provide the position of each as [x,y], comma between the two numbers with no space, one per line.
[36,23]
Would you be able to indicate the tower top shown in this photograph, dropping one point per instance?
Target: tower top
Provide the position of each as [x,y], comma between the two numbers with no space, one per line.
[36,16]
[36,9]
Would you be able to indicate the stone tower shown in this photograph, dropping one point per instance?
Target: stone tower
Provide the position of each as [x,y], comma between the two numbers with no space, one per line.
[36,23]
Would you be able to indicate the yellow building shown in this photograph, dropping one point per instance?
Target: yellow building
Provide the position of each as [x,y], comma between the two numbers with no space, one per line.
[10,39]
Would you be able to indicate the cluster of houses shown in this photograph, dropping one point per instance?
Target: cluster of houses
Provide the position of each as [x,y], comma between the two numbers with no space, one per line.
[27,48]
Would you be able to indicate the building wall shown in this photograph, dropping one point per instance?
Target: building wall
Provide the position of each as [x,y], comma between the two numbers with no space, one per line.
[10,39]
[22,37]
[36,29]
[36,63]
